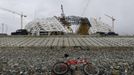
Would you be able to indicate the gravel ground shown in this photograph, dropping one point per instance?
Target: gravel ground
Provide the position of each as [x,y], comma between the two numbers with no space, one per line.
[38,60]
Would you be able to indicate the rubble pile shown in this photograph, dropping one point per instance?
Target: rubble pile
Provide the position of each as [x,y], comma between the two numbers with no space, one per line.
[38,61]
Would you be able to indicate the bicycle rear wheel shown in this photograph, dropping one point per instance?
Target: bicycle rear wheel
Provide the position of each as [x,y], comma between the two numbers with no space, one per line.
[60,68]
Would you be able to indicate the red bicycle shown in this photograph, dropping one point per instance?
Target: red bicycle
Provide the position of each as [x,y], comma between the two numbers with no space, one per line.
[61,68]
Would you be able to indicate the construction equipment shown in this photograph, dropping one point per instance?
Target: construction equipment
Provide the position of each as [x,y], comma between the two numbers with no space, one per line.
[85,7]
[62,14]
[20,14]
[20,32]
[63,20]
[113,19]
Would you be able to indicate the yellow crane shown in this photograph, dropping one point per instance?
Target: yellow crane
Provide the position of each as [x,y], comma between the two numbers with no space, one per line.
[20,14]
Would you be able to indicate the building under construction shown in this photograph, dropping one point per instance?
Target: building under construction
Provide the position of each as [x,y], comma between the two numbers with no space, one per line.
[67,25]
[64,25]
[59,26]
[28,55]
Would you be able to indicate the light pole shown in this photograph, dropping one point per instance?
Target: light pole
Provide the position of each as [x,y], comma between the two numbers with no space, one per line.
[2,28]
[6,28]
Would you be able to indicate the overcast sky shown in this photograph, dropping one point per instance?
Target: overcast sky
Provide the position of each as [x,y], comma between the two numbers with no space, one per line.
[122,10]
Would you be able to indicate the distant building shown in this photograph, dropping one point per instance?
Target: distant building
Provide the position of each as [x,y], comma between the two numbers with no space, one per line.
[99,26]
[66,25]
[46,26]
[59,26]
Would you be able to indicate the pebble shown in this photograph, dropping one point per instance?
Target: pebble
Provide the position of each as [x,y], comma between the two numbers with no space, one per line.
[39,61]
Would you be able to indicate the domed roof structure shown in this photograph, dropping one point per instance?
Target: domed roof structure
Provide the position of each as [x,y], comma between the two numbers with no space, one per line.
[57,25]
[45,26]
[99,26]
[75,25]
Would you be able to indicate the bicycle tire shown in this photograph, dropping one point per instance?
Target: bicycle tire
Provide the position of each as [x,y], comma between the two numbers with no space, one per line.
[90,69]
[60,68]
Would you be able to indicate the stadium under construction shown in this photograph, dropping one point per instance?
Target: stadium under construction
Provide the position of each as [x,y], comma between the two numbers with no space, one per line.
[43,43]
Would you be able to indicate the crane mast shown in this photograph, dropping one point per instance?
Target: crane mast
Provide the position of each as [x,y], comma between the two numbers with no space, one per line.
[113,19]
[62,14]
[21,15]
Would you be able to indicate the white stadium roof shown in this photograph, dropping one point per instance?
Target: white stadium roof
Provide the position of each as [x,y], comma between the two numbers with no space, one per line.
[46,25]
[52,24]
[99,26]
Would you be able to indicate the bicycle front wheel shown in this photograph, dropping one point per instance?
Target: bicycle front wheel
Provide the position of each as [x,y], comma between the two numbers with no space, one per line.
[90,69]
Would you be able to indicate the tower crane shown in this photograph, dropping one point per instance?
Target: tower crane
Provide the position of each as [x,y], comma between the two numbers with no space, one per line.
[113,19]
[20,14]
[62,14]
[85,8]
